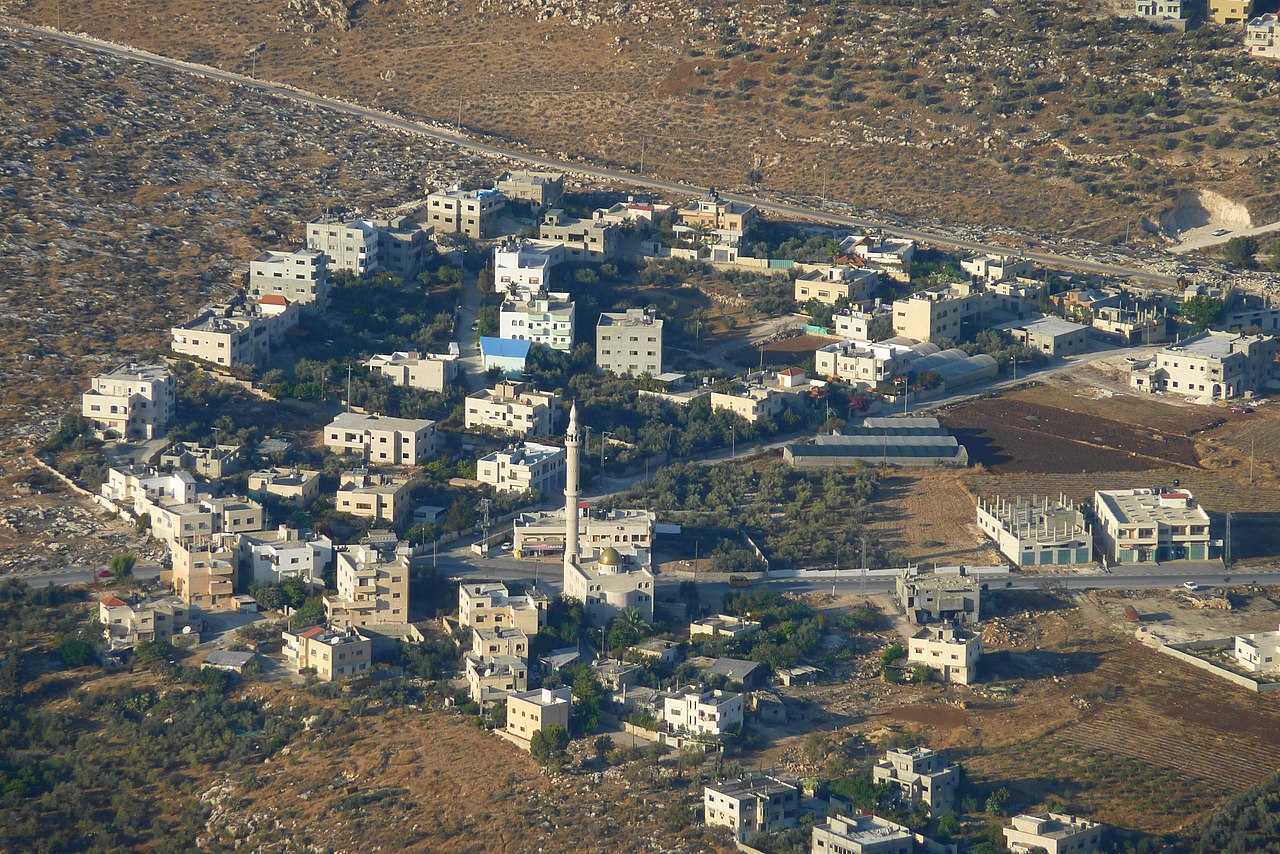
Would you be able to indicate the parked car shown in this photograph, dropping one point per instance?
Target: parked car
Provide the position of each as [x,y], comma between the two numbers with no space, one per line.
[1190,585]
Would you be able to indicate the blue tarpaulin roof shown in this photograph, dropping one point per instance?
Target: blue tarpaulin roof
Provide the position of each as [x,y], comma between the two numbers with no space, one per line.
[504,348]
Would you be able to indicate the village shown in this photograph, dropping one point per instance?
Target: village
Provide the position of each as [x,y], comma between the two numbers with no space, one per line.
[375,449]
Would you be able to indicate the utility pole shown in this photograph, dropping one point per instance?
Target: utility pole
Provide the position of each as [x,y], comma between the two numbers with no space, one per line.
[348,387]
[642,155]
[1013,360]
[1226,551]
[457,128]
[1252,441]
[733,443]
[864,566]
[485,503]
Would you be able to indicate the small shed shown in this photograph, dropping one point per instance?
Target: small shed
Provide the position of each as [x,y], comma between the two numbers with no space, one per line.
[225,659]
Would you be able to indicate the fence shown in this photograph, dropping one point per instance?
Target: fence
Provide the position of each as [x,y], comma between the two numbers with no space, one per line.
[1180,652]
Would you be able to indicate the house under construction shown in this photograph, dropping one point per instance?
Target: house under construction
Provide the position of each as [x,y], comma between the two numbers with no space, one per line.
[1037,531]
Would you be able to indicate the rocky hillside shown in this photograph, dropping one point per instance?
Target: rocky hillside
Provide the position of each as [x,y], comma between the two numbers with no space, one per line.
[1049,117]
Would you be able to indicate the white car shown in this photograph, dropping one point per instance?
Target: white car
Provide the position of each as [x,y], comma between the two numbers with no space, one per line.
[1190,585]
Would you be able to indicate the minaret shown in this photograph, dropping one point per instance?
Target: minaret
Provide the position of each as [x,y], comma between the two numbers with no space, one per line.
[572,453]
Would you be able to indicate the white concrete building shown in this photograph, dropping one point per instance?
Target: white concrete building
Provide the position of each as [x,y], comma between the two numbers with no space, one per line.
[351,245]
[868,365]
[997,268]
[952,652]
[1152,525]
[939,312]
[382,440]
[427,371]
[861,834]
[131,401]
[1210,366]
[294,485]
[513,407]
[474,213]
[1052,833]
[699,712]
[629,343]
[627,531]
[856,324]
[524,266]
[499,640]
[751,805]
[235,334]
[1262,36]
[366,494]
[300,276]
[541,317]
[126,485]
[892,255]
[1258,652]
[284,553]
[541,189]
[1038,531]
[524,467]
[918,774]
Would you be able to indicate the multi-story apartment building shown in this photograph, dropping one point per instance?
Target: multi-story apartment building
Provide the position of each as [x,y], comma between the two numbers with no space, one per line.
[940,597]
[492,678]
[427,371]
[868,365]
[499,640]
[351,245]
[1211,366]
[334,654]
[831,284]
[524,266]
[1151,525]
[125,625]
[940,312]
[918,774]
[373,587]
[1037,531]
[375,495]
[235,334]
[1127,323]
[130,402]
[751,805]
[632,212]
[300,276]
[513,407]
[293,485]
[404,246]
[488,605]
[1230,13]
[698,711]
[540,189]
[284,553]
[210,463]
[629,343]
[581,239]
[181,521]
[543,318]
[204,574]
[474,213]
[856,324]
[132,486]
[953,652]
[996,268]
[534,711]
[1262,36]
[382,440]
[1052,833]
[522,468]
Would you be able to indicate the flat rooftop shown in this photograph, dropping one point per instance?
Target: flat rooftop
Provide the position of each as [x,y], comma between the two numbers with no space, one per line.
[356,421]
[1147,507]
[1044,326]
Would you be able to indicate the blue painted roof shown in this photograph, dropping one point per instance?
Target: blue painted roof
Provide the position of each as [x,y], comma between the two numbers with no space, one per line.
[504,348]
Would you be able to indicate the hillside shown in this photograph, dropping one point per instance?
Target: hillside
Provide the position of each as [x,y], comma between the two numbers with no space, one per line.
[1046,117]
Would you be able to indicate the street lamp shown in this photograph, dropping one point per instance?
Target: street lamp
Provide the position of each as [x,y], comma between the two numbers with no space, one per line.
[903,380]
[603,443]
[1013,360]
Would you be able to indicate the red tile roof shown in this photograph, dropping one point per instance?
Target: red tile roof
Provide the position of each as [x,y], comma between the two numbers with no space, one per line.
[113,601]
[273,299]
[312,632]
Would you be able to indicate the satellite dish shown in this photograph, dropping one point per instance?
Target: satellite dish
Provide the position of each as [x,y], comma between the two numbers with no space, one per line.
[186,630]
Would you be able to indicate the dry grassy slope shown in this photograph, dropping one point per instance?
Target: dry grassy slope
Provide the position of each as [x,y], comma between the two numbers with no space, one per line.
[432,782]
[130,197]
[1005,120]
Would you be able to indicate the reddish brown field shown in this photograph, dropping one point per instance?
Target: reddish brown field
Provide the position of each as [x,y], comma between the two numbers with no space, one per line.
[1011,435]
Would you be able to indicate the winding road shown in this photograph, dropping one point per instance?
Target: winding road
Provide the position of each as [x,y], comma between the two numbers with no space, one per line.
[441,134]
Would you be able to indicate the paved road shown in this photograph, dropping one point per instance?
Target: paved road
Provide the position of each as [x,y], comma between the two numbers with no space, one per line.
[440,133]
